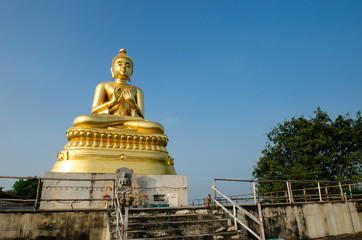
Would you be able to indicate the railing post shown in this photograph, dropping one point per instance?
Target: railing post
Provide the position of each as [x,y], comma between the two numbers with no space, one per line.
[235,223]
[350,190]
[341,189]
[349,211]
[114,194]
[125,223]
[261,225]
[286,195]
[116,207]
[214,192]
[37,199]
[122,236]
[289,188]
[254,191]
[305,197]
[319,192]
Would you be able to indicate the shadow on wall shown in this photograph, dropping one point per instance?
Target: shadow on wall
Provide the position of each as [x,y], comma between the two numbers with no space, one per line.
[146,182]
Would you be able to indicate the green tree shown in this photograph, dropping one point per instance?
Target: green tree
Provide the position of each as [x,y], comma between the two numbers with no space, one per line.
[25,188]
[311,149]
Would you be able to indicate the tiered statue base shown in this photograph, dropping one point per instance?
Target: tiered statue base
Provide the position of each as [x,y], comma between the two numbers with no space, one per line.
[99,150]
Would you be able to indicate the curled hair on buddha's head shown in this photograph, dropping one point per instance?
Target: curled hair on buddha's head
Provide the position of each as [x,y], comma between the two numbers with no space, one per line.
[122,54]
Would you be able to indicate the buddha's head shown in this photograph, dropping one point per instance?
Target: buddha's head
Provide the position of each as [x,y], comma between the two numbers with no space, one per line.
[122,66]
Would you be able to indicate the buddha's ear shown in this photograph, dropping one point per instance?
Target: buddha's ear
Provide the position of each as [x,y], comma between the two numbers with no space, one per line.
[129,79]
[112,72]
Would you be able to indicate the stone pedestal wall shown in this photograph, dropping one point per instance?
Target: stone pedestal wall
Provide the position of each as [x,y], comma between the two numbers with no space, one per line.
[63,192]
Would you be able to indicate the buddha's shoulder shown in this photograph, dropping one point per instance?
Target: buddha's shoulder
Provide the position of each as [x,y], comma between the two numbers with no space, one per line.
[106,84]
[139,90]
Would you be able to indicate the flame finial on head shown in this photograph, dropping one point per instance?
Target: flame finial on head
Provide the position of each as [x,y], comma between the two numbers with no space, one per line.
[123,51]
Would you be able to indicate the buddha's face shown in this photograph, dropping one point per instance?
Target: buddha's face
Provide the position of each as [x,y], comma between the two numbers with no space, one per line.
[122,69]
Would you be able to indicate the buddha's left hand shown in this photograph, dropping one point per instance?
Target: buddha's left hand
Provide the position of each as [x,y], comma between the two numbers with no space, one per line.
[130,99]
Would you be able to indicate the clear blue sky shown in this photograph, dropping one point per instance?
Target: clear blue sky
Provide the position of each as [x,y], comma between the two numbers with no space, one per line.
[217,74]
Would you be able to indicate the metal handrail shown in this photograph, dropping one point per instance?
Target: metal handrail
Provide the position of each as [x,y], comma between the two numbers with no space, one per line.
[122,222]
[233,215]
[291,195]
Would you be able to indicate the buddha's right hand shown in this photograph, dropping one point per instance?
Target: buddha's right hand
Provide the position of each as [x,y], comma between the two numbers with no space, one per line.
[116,95]
[116,98]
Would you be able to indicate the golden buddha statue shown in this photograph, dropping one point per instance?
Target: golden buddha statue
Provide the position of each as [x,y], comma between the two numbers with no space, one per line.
[116,134]
[118,103]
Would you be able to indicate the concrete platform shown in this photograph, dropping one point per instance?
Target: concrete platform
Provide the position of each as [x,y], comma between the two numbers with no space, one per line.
[87,190]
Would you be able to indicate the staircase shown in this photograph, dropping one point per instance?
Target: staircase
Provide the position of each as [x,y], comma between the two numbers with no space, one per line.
[177,223]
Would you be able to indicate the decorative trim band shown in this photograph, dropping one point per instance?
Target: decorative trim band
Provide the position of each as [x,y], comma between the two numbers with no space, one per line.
[120,139]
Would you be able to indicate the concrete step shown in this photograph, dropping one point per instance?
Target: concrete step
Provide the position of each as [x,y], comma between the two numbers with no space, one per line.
[177,230]
[171,211]
[169,218]
[180,234]
[158,228]
[225,236]
[205,225]
[177,223]
[173,218]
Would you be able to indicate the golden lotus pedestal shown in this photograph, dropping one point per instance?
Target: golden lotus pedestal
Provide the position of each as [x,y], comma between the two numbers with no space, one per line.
[100,150]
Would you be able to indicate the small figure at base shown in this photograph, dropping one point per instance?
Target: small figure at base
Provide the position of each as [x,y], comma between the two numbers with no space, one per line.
[208,201]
